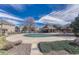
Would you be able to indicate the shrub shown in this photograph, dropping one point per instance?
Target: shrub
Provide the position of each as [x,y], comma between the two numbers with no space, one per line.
[59,45]
[46,47]
[2,41]
[73,49]
[2,52]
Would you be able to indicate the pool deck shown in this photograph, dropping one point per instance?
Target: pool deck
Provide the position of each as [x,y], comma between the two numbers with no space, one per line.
[35,40]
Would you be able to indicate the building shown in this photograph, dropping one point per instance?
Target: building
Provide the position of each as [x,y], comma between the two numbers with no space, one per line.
[6,27]
[51,28]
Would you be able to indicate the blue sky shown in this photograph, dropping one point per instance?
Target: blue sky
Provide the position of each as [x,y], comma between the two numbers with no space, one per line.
[31,10]
[59,14]
[17,12]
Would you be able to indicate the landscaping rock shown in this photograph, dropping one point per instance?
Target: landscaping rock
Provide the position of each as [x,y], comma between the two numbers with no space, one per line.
[7,46]
[17,42]
[75,42]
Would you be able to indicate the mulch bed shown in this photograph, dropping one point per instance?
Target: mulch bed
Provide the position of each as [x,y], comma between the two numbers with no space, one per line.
[22,49]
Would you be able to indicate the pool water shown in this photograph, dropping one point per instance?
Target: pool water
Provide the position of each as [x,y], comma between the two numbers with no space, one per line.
[37,35]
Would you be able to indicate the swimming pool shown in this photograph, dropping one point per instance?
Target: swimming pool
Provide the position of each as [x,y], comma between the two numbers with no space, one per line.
[37,34]
[47,34]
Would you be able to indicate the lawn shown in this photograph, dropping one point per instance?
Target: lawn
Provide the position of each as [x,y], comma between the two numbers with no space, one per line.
[46,47]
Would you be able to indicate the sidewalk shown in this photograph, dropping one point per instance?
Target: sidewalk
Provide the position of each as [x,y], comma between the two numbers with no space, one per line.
[35,50]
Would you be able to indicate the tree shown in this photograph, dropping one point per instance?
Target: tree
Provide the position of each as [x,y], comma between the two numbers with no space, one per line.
[30,23]
[1,24]
[75,26]
[24,29]
[75,29]
[17,29]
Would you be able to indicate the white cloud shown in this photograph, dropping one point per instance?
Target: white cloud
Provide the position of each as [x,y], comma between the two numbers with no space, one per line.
[52,20]
[2,11]
[13,22]
[9,18]
[62,17]
[67,15]
[18,7]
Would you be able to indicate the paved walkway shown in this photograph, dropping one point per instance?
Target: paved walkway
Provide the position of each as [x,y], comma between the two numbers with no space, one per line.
[35,40]
[35,50]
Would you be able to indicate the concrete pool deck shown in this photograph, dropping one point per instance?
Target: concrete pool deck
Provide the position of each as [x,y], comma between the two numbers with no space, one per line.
[35,40]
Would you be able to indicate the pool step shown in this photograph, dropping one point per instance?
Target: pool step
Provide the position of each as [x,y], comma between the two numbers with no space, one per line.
[35,50]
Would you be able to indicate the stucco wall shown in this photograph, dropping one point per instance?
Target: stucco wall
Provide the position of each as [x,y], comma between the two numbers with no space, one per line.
[10,28]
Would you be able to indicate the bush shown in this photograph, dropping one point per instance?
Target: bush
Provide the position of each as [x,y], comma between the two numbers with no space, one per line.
[2,41]
[49,46]
[2,52]
[4,44]
[59,45]
[73,49]
[46,47]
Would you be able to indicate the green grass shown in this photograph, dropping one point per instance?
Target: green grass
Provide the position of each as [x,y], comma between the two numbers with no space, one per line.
[46,47]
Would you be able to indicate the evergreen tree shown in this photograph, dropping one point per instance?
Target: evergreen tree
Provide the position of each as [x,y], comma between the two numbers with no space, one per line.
[75,26]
